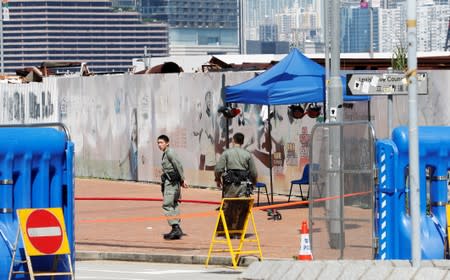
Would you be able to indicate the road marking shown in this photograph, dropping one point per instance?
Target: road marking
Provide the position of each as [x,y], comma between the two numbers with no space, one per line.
[107,278]
[175,271]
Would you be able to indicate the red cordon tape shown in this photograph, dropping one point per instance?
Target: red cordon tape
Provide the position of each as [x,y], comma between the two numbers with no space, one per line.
[145,199]
[195,215]
[288,204]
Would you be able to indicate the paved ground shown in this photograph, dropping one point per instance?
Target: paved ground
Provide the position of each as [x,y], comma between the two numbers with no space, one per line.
[132,230]
[348,270]
[119,226]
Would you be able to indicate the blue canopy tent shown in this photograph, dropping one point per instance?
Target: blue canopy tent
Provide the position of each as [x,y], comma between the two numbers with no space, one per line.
[295,79]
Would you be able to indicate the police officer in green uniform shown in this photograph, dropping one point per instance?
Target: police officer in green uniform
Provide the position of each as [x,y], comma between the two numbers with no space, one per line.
[171,179]
[235,171]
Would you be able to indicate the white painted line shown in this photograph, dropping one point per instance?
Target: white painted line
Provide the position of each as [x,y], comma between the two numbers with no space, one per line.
[161,272]
[107,278]
[176,271]
[44,231]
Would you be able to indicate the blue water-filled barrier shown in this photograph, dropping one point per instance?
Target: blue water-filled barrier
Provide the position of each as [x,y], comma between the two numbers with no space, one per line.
[36,171]
[393,220]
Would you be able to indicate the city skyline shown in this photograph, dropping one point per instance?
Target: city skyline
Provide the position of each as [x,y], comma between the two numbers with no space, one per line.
[111,37]
[196,27]
[85,31]
[301,23]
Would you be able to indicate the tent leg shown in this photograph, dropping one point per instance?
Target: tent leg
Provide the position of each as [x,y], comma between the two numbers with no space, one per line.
[270,157]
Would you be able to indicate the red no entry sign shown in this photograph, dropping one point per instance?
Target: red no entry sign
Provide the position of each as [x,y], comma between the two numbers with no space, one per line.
[43,231]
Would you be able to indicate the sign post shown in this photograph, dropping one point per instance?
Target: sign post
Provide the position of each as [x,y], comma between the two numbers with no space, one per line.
[387,84]
[384,84]
[43,233]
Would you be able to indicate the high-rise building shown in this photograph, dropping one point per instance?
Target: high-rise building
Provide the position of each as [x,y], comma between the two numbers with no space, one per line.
[301,22]
[357,30]
[262,12]
[268,33]
[126,4]
[392,33]
[86,31]
[391,4]
[267,47]
[432,27]
[196,27]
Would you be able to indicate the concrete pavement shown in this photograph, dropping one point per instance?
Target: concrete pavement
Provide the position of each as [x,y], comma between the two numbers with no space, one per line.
[131,230]
[347,269]
[121,228]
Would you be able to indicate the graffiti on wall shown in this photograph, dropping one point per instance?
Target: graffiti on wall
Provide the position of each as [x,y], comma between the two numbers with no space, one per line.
[28,103]
[132,156]
[15,106]
[204,128]
[40,107]
[115,120]
[119,133]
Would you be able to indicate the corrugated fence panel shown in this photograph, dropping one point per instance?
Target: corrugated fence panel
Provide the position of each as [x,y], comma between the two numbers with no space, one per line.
[115,119]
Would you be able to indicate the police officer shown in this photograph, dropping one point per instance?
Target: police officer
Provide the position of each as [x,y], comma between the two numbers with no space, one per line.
[171,179]
[235,170]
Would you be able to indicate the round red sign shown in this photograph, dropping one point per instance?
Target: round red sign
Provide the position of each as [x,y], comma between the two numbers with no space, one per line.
[44,231]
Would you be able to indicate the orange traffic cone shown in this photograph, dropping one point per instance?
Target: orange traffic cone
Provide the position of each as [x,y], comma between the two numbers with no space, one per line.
[305,247]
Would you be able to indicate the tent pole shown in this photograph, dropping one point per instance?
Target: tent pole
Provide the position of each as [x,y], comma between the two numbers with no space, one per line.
[227,130]
[227,142]
[325,99]
[270,156]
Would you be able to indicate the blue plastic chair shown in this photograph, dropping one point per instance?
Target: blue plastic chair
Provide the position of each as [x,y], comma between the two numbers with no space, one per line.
[302,181]
[258,186]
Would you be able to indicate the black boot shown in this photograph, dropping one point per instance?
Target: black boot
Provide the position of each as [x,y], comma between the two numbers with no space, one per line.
[166,235]
[175,233]
[174,229]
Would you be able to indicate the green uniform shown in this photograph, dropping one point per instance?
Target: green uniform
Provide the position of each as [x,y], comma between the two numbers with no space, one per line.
[236,158]
[173,171]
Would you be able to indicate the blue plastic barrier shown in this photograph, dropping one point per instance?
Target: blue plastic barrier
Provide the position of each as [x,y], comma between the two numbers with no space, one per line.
[393,222]
[36,171]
